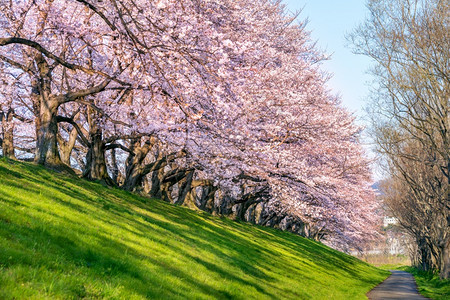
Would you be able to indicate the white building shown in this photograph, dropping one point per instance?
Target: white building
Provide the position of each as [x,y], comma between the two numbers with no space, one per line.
[389,220]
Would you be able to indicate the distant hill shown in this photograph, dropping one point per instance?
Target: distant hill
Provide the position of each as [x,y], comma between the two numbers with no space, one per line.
[66,238]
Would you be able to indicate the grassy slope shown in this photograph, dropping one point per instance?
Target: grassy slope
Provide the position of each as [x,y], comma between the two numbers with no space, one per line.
[62,237]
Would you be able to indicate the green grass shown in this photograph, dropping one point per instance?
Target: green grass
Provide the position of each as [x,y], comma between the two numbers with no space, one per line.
[392,266]
[66,238]
[430,285]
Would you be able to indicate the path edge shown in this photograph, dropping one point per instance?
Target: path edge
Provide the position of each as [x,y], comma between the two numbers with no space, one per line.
[390,271]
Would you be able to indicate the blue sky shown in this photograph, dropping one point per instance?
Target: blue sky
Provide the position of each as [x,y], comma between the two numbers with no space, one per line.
[329,21]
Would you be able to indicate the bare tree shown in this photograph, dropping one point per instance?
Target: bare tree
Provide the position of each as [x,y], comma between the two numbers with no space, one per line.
[409,40]
[415,194]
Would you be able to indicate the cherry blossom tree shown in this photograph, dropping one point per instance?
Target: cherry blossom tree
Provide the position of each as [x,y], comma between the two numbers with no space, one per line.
[215,104]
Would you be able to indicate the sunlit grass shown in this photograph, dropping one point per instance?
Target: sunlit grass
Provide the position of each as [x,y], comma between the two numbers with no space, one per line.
[429,284]
[62,237]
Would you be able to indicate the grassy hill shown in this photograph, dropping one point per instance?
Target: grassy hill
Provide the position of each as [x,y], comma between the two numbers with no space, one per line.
[62,237]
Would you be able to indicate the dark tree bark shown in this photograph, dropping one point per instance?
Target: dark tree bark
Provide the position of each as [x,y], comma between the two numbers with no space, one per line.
[222,207]
[134,168]
[95,168]
[46,116]
[206,200]
[136,171]
[445,259]
[185,187]
[7,141]
[156,178]
[46,131]
[169,180]
[257,195]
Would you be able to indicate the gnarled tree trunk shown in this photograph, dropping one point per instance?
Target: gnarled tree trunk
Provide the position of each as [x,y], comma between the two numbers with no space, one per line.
[136,171]
[66,147]
[95,168]
[134,167]
[184,187]
[7,142]
[205,201]
[444,271]
[157,177]
[46,117]
[46,135]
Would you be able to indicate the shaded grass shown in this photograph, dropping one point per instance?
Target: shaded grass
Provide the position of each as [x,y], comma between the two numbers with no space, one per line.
[66,238]
[429,284]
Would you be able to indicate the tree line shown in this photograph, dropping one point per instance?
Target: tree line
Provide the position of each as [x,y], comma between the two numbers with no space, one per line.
[410,42]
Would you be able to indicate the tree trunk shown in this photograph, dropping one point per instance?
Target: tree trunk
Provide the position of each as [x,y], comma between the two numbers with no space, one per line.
[8,134]
[114,167]
[157,177]
[46,135]
[223,207]
[134,169]
[444,272]
[206,201]
[166,192]
[46,109]
[184,188]
[66,147]
[133,179]
[168,182]
[425,260]
[95,159]
[95,168]
[136,173]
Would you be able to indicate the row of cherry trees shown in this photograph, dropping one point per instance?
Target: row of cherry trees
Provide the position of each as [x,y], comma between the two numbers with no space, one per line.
[218,105]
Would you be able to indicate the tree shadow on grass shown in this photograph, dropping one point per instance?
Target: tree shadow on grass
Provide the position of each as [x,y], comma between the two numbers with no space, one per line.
[231,243]
[94,259]
[106,260]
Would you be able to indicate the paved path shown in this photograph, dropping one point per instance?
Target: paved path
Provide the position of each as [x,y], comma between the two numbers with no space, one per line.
[400,285]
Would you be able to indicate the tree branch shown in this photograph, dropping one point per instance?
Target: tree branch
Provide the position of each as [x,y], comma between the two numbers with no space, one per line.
[120,146]
[74,124]
[72,96]
[40,48]
[98,12]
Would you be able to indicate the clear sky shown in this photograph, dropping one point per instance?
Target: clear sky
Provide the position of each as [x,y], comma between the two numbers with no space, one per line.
[329,22]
